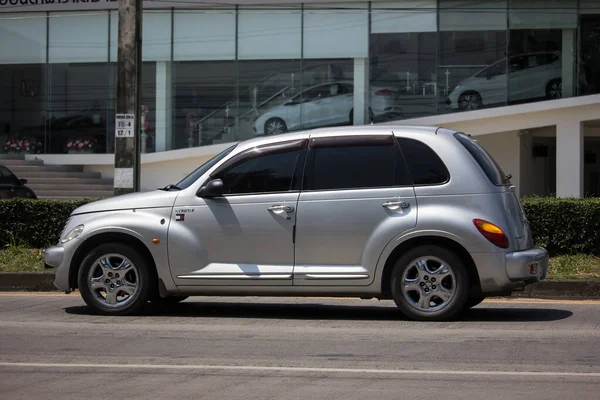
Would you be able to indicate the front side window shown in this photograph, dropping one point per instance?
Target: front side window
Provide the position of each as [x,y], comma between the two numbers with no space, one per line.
[375,163]
[267,173]
[194,176]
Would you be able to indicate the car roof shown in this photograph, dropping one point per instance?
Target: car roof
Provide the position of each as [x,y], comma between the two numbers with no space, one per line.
[346,130]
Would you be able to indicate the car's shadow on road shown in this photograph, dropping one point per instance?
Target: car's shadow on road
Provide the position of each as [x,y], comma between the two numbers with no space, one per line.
[319,311]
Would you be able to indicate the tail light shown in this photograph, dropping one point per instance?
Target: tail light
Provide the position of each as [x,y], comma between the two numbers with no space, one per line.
[492,233]
[385,92]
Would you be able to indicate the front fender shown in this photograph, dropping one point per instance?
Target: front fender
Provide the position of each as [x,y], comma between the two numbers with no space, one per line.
[146,225]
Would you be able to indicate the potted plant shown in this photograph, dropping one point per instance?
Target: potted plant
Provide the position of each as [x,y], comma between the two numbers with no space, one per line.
[84,145]
[23,146]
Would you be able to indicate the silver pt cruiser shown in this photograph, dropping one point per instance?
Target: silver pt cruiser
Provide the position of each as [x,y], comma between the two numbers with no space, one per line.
[423,216]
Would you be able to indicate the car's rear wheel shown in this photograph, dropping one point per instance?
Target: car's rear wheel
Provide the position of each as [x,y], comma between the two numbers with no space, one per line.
[429,283]
[275,126]
[470,101]
[554,89]
[114,279]
[473,301]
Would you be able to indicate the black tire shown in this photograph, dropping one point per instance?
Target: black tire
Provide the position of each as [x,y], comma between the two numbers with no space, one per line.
[271,122]
[145,279]
[554,89]
[473,301]
[459,287]
[470,101]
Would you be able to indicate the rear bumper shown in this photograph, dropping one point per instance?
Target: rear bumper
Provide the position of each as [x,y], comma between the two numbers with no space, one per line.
[506,272]
[529,266]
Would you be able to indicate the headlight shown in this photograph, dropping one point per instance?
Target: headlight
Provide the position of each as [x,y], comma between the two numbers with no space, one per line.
[75,232]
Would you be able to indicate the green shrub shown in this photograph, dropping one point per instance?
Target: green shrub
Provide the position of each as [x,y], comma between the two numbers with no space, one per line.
[34,223]
[565,226]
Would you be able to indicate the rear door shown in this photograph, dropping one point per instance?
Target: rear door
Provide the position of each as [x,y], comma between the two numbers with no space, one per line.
[357,196]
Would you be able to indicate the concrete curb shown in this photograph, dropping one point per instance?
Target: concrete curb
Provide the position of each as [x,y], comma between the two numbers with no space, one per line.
[568,289]
[27,281]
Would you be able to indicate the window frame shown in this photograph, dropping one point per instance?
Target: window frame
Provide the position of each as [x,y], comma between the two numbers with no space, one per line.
[264,150]
[351,141]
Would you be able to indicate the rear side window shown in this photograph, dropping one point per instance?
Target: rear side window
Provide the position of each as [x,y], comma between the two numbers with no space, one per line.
[355,163]
[424,164]
[487,163]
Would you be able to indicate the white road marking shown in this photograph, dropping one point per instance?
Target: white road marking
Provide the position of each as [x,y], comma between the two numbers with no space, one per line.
[301,369]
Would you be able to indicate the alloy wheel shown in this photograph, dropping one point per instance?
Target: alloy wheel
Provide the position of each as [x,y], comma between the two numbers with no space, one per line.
[555,90]
[275,127]
[113,281]
[428,284]
[470,102]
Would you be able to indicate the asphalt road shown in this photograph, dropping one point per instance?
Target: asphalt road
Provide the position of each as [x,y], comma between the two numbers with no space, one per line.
[52,347]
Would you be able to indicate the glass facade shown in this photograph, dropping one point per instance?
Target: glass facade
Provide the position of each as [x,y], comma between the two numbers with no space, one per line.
[222,74]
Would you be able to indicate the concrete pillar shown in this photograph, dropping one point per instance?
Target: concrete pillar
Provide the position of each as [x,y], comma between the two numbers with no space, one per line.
[568,62]
[569,159]
[164,103]
[361,91]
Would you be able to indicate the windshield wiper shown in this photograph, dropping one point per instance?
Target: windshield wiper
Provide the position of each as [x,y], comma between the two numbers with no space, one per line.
[507,178]
[170,187]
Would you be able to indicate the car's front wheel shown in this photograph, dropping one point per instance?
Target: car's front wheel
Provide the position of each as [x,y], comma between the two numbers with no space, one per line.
[114,279]
[470,101]
[429,283]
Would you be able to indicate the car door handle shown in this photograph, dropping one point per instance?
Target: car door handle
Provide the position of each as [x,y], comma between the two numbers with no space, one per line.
[287,209]
[394,205]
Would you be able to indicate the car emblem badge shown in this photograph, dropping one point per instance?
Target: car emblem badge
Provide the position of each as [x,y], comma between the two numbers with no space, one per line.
[179,217]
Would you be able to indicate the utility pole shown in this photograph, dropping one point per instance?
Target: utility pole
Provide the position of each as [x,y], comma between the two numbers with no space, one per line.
[127,121]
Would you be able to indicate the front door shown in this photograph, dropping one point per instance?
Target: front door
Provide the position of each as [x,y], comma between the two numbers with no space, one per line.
[357,196]
[244,237]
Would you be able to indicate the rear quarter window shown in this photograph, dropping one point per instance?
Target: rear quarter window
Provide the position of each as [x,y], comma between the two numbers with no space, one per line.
[487,163]
[425,166]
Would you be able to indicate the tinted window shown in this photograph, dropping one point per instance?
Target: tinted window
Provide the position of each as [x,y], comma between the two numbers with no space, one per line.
[423,163]
[266,173]
[355,166]
[6,177]
[194,176]
[491,168]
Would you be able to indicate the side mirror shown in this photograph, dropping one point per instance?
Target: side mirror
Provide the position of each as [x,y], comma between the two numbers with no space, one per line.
[213,188]
[22,182]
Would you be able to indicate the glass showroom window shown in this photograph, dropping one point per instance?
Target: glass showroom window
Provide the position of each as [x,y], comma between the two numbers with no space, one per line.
[204,78]
[23,83]
[269,52]
[472,46]
[335,67]
[402,70]
[542,62]
[156,111]
[79,83]
[589,62]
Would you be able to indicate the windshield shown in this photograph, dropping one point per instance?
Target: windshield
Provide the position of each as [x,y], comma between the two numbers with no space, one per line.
[194,176]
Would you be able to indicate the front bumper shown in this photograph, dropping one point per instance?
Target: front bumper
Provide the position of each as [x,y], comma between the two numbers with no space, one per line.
[528,266]
[56,257]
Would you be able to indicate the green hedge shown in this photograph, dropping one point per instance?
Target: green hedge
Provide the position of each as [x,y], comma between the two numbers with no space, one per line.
[563,226]
[34,223]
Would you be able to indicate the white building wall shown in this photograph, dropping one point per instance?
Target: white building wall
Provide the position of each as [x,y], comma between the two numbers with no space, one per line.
[505,148]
